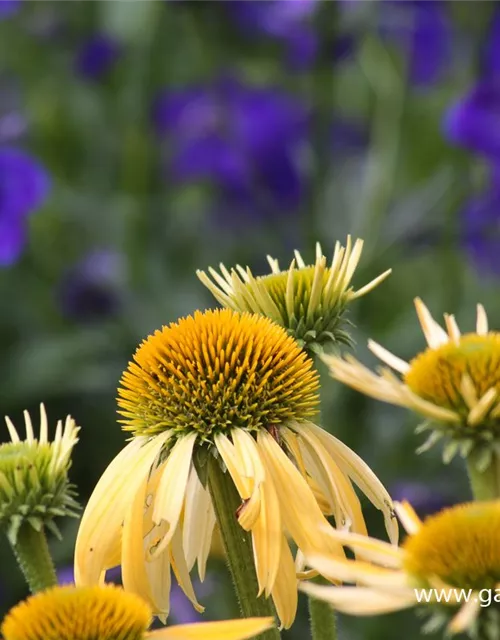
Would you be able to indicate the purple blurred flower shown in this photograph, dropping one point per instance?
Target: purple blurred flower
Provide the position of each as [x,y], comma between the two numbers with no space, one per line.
[425,499]
[8,8]
[96,56]
[423,29]
[244,139]
[480,222]
[24,186]
[92,289]
[474,120]
[286,20]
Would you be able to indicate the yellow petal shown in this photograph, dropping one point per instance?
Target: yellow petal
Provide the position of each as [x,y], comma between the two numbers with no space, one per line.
[357,571]
[387,555]
[223,630]
[357,469]
[360,601]
[337,485]
[134,576]
[230,458]
[266,530]
[409,519]
[158,573]
[301,515]
[199,522]
[180,568]
[466,615]
[434,334]
[171,490]
[284,592]
[102,520]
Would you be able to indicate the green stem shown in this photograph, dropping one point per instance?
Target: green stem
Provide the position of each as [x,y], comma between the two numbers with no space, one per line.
[238,546]
[322,617]
[485,482]
[33,556]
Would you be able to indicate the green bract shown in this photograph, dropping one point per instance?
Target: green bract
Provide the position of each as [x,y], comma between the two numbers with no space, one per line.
[34,485]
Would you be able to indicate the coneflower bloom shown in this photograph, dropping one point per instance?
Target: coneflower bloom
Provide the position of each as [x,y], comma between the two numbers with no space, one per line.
[34,483]
[109,613]
[454,383]
[234,385]
[308,300]
[450,561]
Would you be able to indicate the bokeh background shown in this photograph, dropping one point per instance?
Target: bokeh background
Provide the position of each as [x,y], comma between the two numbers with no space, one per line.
[142,140]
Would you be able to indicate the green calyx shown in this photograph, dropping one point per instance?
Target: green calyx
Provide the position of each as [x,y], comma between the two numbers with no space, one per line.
[34,487]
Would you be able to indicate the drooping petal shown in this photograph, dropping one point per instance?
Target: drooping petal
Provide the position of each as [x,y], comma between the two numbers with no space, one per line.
[465,616]
[180,569]
[199,522]
[360,601]
[366,573]
[377,551]
[171,491]
[338,486]
[284,592]
[101,523]
[134,576]
[224,630]
[302,517]
[409,519]
[357,469]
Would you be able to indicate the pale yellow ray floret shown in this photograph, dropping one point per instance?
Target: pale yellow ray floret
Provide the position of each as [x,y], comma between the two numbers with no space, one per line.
[237,386]
[454,551]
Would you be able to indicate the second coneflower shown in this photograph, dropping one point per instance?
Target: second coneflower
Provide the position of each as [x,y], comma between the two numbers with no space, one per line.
[237,387]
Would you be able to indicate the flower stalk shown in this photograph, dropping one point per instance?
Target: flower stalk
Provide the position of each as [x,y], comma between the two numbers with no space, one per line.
[322,617]
[484,479]
[238,546]
[33,556]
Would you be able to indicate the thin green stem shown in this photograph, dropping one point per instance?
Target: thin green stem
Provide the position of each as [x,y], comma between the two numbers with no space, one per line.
[33,556]
[322,618]
[485,482]
[238,547]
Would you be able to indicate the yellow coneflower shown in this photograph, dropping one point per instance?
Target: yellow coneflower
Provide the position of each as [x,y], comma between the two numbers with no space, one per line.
[453,555]
[454,383]
[238,386]
[34,484]
[109,613]
[308,300]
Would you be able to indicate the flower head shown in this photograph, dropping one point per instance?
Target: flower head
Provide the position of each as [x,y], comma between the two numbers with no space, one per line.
[24,186]
[309,301]
[108,613]
[235,386]
[453,550]
[34,485]
[454,383]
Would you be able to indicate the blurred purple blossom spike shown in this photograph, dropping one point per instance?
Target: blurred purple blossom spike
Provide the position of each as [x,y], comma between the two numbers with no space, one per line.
[9,8]
[473,122]
[24,187]
[96,56]
[480,221]
[242,138]
[423,29]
